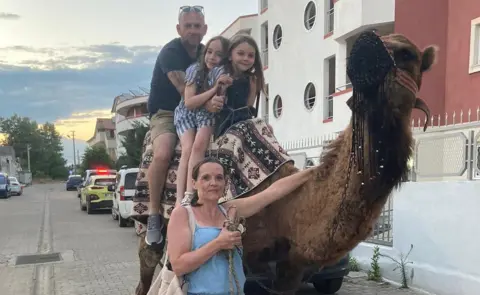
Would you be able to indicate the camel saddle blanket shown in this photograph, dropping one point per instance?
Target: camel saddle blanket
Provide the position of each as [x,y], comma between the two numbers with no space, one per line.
[248,150]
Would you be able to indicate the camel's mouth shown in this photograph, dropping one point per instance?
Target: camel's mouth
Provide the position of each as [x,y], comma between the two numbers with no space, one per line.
[422,105]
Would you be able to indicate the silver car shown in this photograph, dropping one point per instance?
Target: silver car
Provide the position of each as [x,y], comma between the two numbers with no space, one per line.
[15,186]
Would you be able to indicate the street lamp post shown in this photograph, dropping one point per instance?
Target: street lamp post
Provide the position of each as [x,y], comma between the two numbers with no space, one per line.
[74,156]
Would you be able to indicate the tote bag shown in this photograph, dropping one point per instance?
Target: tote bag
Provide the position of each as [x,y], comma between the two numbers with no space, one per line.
[167,282]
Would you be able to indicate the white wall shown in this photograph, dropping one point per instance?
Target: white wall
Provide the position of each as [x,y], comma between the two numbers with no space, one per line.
[441,220]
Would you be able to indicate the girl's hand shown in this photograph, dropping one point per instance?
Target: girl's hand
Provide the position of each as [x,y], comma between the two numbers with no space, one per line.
[216,103]
[225,80]
[229,239]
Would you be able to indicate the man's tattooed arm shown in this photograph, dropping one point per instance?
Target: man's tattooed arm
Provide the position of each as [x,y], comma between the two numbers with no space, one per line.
[178,80]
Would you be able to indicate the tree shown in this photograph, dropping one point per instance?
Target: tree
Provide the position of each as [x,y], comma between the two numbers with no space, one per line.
[133,143]
[45,144]
[96,157]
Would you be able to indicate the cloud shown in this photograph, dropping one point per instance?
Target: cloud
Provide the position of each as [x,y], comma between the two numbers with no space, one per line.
[71,86]
[51,84]
[9,16]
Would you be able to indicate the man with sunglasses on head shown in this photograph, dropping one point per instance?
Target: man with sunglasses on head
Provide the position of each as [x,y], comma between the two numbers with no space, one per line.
[167,87]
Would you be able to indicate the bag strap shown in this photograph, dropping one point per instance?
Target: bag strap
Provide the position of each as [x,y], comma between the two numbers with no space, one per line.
[191,223]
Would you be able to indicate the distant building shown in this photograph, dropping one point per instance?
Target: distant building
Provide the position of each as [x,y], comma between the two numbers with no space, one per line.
[245,24]
[128,109]
[105,136]
[8,162]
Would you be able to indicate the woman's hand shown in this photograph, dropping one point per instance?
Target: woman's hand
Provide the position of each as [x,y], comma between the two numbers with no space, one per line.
[229,239]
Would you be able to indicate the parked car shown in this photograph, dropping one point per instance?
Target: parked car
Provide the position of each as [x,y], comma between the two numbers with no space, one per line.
[4,186]
[94,194]
[100,171]
[15,187]
[328,280]
[124,190]
[73,182]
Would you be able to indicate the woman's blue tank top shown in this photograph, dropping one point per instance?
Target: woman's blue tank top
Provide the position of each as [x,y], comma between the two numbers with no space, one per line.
[212,278]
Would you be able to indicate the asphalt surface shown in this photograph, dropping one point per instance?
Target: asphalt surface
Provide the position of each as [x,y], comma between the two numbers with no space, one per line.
[98,257]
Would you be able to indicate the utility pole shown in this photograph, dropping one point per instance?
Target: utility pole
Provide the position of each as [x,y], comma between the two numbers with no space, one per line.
[74,157]
[28,157]
[78,158]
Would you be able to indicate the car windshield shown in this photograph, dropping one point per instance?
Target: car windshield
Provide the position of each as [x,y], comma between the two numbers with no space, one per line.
[13,179]
[75,179]
[130,179]
[3,179]
[104,181]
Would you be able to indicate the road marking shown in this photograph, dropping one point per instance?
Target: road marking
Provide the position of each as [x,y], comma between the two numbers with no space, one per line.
[43,281]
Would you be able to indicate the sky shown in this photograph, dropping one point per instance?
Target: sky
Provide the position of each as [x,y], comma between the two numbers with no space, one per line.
[64,61]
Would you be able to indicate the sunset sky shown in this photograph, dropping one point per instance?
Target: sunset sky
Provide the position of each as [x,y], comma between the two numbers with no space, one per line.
[64,61]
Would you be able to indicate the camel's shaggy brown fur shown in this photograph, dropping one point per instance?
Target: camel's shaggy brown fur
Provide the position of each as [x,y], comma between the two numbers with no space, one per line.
[297,230]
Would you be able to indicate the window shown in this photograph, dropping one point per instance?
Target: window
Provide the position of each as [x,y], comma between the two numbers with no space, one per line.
[130,180]
[309,96]
[277,106]
[264,43]
[310,14]
[263,5]
[329,87]
[475,46]
[277,36]
[329,16]
[104,181]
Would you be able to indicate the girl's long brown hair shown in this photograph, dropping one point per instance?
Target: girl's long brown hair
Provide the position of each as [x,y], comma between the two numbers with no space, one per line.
[202,73]
[235,41]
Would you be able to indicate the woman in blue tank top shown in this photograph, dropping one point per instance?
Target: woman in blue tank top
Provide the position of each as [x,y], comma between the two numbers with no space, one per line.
[196,253]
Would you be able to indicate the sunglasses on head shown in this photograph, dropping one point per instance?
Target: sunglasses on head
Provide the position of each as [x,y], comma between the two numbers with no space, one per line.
[194,8]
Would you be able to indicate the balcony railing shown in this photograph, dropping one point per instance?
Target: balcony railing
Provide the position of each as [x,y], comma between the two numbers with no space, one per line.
[329,21]
[265,57]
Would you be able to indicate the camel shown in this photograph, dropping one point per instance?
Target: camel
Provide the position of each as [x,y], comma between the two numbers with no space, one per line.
[336,209]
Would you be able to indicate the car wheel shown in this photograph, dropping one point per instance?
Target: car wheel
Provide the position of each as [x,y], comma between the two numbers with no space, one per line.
[330,286]
[89,207]
[83,208]
[114,215]
[122,222]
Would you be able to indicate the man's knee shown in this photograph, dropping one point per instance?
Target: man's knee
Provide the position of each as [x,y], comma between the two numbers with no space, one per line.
[163,149]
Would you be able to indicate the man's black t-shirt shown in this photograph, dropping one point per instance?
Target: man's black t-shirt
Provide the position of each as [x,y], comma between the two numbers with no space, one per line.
[163,94]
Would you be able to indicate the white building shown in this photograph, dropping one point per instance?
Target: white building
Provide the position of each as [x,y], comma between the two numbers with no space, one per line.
[104,135]
[304,48]
[245,24]
[128,110]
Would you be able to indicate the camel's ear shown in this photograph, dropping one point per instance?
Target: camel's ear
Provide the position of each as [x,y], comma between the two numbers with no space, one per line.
[350,103]
[428,58]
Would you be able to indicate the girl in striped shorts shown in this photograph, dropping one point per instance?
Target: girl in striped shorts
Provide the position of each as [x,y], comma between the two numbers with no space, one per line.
[193,122]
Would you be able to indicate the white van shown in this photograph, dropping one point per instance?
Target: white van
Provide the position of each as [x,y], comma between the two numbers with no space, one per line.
[123,197]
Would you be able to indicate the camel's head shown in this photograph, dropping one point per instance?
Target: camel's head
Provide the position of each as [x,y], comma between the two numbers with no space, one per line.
[393,66]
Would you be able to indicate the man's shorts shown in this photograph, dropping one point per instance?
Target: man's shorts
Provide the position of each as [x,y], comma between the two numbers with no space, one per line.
[161,123]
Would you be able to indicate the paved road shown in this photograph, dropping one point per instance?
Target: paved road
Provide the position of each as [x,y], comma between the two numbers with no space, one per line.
[99,258]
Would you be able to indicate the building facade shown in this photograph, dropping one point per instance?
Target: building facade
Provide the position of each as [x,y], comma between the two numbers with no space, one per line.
[453,85]
[128,110]
[304,47]
[104,135]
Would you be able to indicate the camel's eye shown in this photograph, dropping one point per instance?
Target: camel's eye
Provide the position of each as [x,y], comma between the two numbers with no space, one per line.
[405,55]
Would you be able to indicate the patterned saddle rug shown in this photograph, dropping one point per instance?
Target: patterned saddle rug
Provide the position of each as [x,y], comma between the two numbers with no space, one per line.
[249,151]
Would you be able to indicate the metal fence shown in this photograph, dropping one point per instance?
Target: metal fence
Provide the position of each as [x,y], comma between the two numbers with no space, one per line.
[447,153]
[450,152]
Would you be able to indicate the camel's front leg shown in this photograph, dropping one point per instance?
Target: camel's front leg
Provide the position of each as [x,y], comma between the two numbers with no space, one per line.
[289,278]
[149,259]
